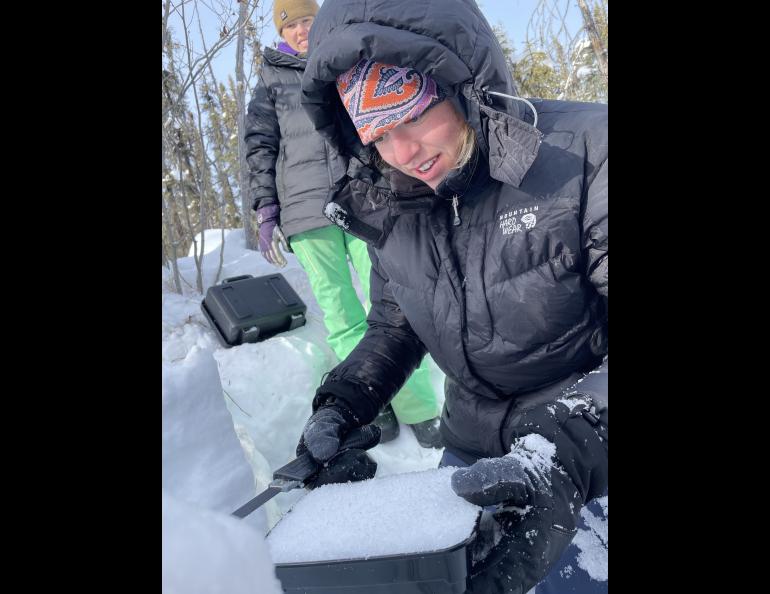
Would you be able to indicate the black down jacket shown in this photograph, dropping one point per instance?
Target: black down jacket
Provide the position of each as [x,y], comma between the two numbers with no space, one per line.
[289,162]
[513,301]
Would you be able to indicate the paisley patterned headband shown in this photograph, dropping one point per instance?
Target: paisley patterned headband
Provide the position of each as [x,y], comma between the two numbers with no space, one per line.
[380,96]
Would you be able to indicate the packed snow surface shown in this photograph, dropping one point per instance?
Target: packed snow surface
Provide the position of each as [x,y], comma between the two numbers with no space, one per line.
[405,513]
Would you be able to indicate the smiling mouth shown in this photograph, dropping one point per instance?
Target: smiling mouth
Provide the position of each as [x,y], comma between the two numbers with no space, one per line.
[427,165]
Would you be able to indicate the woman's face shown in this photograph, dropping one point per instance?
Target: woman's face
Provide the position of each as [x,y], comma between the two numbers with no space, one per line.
[426,148]
[295,33]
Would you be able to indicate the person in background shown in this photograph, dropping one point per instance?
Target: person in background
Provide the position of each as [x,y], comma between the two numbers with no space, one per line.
[486,216]
[290,171]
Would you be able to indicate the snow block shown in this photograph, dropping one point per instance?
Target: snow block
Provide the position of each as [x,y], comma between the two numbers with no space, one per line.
[404,534]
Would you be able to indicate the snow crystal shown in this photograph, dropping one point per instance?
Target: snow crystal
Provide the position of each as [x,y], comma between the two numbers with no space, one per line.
[398,514]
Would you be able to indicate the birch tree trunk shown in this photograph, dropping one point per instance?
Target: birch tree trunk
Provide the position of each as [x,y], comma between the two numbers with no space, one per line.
[243,174]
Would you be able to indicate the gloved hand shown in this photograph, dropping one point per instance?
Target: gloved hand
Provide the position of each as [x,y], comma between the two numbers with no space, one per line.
[515,479]
[322,437]
[345,466]
[537,490]
[270,235]
[325,429]
[532,523]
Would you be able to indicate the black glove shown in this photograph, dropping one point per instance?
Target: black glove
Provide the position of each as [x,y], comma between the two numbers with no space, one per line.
[538,489]
[533,522]
[346,466]
[515,479]
[323,436]
[324,431]
[516,547]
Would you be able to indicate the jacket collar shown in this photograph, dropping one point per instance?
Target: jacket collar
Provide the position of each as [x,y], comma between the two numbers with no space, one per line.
[512,146]
[278,58]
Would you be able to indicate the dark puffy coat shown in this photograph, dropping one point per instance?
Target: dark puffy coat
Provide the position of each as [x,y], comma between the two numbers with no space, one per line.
[513,300]
[289,162]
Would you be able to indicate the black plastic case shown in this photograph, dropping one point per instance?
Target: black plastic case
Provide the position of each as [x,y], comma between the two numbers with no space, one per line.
[249,309]
[436,572]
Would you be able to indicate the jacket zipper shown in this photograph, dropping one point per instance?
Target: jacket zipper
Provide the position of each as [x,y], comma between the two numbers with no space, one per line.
[455,202]
[456,223]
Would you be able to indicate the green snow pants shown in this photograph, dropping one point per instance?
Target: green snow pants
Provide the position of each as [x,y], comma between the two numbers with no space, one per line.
[324,253]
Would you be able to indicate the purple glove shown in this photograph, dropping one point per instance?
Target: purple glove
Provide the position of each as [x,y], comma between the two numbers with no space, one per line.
[270,235]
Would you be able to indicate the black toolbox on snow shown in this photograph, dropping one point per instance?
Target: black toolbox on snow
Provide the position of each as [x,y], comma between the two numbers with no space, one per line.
[249,309]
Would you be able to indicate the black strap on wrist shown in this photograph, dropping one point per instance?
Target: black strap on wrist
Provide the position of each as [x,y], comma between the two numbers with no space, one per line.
[598,426]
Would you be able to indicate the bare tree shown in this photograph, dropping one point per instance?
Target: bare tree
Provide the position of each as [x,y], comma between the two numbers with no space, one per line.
[596,40]
[202,152]
[568,53]
[192,203]
[248,229]
[200,64]
[169,232]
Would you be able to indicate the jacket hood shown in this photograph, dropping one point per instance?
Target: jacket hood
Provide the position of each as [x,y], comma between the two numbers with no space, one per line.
[449,40]
[275,57]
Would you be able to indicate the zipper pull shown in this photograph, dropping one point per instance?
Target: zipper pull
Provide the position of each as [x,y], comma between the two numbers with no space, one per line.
[455,200]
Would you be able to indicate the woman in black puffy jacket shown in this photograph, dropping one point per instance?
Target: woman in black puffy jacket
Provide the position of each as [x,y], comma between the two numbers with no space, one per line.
[486,219]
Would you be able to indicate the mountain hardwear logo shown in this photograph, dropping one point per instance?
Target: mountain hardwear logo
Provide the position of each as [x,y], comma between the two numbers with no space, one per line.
[529,220]
[283,15]
[511,223]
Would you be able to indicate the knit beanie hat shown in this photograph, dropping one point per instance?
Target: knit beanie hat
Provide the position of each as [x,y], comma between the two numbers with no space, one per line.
[379,97]
[288,10]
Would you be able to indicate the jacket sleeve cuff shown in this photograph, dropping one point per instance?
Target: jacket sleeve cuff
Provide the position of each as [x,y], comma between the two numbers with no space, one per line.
[352,396]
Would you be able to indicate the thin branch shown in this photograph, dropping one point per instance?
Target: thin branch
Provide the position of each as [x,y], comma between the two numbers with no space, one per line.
[198,66]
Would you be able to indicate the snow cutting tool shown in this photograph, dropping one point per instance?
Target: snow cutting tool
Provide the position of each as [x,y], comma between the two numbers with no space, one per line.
[304,469]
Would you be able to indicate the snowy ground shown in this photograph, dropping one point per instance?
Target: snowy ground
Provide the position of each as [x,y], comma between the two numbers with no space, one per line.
[231,416]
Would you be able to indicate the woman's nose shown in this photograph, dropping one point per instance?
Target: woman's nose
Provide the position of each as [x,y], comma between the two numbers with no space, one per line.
[404,149]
